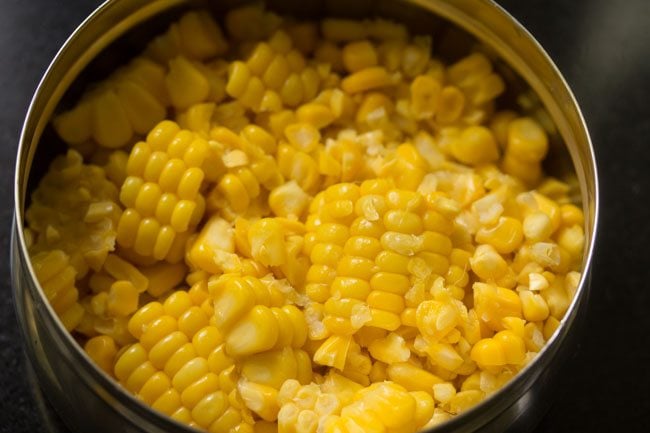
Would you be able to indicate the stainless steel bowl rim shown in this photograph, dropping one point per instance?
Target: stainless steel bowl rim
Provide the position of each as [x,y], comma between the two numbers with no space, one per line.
[114,392]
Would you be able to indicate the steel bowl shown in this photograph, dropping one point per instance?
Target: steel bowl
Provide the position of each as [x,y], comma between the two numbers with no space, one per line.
[89,400]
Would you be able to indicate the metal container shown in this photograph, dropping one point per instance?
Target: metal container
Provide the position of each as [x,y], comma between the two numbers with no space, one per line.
[87,399]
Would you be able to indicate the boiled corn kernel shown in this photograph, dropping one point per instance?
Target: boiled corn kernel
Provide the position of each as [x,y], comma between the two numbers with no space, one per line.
[351,216]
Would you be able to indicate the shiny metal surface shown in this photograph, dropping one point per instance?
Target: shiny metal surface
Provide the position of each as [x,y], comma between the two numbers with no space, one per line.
[66,374]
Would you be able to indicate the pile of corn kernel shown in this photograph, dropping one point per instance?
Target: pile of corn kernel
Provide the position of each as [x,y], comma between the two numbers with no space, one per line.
[304,227]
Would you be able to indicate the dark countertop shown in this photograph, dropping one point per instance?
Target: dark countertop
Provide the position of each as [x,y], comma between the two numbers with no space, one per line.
[601,47]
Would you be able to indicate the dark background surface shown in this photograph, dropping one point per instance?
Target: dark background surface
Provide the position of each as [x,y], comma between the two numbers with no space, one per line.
[601,47]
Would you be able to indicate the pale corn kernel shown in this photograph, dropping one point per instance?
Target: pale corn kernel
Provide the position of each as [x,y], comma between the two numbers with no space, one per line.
[537,226]
[546,254]
[304,136]
[550,326]
[487,263]
[572,239]
[444,392]
[256,332]
[390,349]
[527,141]
[289,200]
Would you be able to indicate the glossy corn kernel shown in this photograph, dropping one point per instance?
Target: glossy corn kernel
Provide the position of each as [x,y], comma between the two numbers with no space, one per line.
[476,145]
[102,350]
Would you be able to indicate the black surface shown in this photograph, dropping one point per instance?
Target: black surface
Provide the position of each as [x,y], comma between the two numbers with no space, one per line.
[600,46]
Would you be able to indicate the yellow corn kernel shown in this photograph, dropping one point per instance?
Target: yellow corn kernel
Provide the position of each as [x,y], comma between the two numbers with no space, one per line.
[276,72]
[529,172]
[556,298]
[444,392]
[412,377]
[506,236]
[288,200]
[487,263]
[571,215]
[304,136]
[75,126]
[465,400]
[451,104]
[425,95]
[375,106]
[476,145]
[391,349]
[214,247]
[513,346]
[185,83]
[339,30]
[493,303]
[317,115]
[333,352]
[550,326]
[102,350]
[122,299]
[499,126]
[359,55]
[261,399]
[111,125]
[255,332]
[533,306]
[572,239]
[141,108]
[537,226]
[488,352]
[527,140]
[366,79]
[267,242]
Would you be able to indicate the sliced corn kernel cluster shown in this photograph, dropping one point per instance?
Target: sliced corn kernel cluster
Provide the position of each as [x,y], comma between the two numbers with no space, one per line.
[274,76]
[128,103]
[372,247]
[337,232]
[74,209]
[57,278]
[338,404]
[135,98]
